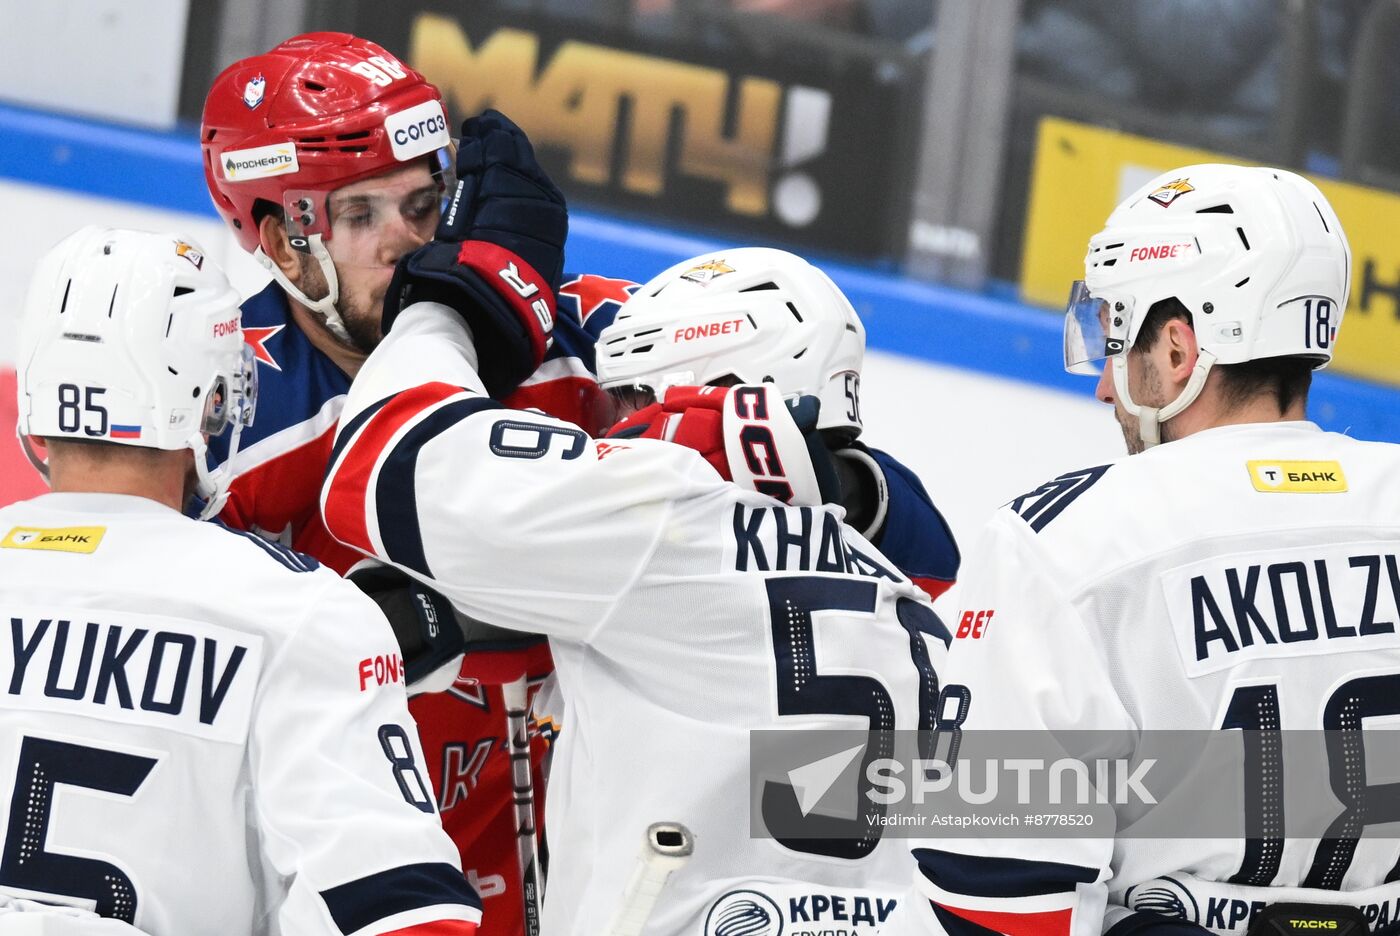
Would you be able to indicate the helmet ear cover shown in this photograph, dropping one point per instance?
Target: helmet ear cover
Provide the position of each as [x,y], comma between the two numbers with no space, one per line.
[134,339]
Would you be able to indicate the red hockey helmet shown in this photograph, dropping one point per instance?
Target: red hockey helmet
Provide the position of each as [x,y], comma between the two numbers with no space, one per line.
[318,112]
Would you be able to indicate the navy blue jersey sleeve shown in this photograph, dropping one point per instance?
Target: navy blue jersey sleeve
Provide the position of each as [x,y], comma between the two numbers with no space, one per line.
[915,537]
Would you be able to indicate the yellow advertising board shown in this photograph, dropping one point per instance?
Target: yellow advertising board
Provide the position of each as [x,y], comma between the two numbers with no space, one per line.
[1082,172]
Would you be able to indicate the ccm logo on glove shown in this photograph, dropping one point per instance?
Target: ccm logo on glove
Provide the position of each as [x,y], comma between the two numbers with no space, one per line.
[756,443]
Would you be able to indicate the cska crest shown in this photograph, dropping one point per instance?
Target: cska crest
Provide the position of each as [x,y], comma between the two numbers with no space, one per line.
[253,91]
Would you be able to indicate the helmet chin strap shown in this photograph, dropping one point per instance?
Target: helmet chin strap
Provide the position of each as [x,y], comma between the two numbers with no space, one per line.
[1150,418]
[324,307]
[212,486]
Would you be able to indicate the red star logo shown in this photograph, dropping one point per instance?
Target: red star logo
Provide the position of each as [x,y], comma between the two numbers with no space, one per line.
[593,292]
[255,337]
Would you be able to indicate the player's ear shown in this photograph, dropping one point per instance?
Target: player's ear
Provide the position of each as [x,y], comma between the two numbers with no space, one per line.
[272,237]
[38,444]
[1178,341]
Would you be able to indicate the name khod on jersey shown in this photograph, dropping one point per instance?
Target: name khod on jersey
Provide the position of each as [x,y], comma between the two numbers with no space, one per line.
[201,732]
[1244,577]
[682,612]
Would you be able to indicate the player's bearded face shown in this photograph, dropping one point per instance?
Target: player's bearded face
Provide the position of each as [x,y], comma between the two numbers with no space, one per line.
[1148,389]
[373,224]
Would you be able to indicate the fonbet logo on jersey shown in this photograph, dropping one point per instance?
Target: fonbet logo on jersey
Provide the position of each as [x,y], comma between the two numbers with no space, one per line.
[798,910]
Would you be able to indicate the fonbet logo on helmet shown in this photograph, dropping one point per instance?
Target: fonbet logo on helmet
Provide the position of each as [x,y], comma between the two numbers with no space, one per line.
[417,131]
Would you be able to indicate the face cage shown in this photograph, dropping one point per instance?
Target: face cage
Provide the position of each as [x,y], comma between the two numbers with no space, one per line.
[307,212]
[1095,329]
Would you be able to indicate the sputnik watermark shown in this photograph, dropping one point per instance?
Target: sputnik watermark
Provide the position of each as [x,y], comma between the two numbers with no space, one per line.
[1115,781]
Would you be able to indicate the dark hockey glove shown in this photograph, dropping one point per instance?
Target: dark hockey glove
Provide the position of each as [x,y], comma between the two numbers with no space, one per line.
[498,253]
[432,634]
[864,491]
[747,435]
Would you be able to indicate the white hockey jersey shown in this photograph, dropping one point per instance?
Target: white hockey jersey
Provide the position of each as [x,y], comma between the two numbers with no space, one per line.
[682,613]
[201,732]
[1244,577]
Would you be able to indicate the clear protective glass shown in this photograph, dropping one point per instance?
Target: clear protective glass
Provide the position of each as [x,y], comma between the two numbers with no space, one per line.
[1088,338]
[355,217]
[233,402]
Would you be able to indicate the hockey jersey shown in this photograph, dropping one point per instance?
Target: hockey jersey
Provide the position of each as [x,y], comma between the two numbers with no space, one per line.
[202,732]
[463,730]
[1243,577]
[682,611]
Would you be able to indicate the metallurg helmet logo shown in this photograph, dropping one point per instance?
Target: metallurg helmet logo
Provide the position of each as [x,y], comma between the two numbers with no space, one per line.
[1170,192]
[706,272]
[185,250]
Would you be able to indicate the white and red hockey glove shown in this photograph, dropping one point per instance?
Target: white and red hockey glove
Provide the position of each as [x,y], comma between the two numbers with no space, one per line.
[749,435]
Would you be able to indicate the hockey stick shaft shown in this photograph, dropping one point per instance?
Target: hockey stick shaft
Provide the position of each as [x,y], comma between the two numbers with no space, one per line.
[667,847]
[516,696]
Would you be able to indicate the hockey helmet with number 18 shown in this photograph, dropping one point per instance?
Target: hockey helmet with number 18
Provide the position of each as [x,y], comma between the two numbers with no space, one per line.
[755,314]
[318,112]
[134,339]
[1257,256]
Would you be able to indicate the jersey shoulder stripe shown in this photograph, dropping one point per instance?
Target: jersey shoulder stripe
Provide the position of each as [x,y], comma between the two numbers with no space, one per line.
[363,902]
[358,448]
[396,500]
[1042,505]
[364,447]
[288,558]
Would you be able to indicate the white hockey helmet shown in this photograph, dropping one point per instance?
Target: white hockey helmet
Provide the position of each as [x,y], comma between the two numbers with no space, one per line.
[1256,255]
[757,314]
[134,338]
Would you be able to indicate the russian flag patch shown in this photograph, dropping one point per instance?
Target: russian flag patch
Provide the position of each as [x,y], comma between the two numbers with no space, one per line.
[125,432]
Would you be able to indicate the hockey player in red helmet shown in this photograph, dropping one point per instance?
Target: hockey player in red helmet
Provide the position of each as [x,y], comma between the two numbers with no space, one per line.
[329,159]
